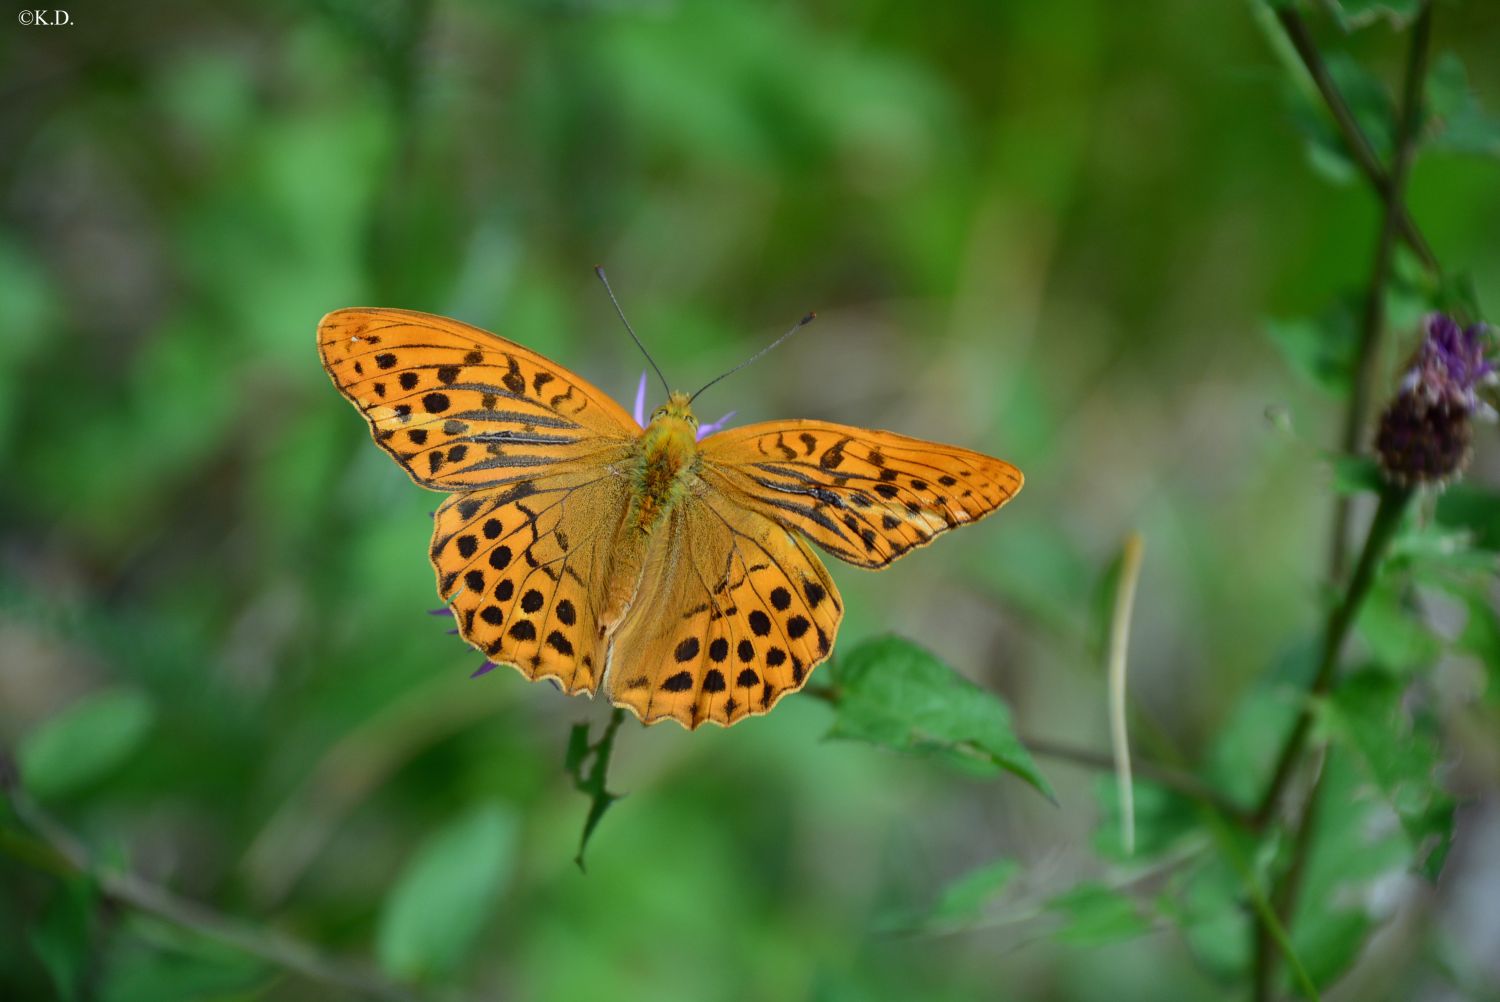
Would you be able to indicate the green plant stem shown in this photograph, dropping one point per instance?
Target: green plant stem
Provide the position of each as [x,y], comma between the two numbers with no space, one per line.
[54,848]
[1356,416]
[1177,780]
[1354,137]
[1393,501]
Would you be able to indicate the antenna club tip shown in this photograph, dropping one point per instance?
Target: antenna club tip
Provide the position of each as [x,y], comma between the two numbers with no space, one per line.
[809,318]
[599,270]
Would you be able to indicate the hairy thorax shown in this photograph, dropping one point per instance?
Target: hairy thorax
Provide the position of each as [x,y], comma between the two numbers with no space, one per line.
[667,453]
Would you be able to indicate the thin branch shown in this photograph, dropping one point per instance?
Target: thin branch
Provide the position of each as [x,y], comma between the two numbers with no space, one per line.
[1177,780]
[1354,137]
[72,855]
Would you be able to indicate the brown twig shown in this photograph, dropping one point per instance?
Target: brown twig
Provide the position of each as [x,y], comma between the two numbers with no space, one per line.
[1354,137]
[69,854]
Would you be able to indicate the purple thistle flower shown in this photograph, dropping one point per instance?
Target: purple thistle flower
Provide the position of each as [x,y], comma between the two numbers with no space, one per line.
[713,426]
[443,610]
[484,669]
[1424,434]
[1450,363]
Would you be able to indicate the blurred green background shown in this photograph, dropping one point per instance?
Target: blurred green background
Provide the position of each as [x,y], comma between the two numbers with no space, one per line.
[1055,232]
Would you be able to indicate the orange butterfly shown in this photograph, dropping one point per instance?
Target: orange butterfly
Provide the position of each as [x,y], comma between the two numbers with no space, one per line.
[578,546]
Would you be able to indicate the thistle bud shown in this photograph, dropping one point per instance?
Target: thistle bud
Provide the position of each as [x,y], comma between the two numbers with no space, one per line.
[1425,434]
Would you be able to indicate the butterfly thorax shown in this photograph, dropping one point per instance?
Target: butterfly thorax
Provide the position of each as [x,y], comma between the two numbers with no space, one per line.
[665,455]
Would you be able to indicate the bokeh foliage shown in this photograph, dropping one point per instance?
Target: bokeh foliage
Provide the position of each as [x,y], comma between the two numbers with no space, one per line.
[1118,245]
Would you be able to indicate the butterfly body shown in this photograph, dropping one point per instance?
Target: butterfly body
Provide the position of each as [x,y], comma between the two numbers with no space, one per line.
[667,454]
[673,573]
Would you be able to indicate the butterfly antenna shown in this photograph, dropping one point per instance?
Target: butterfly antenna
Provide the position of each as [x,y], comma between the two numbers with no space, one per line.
[756,357]
[599,270]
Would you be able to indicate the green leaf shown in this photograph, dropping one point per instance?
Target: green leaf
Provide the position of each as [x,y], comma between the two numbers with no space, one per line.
[1369,102]
[1357,475]
[85,742]
[63,939]
[1398,638]
[1164,820]
[1461,123]
[892,692]
[1095,914]
[1399,753]
[964,899]
[1464,506]
[1320,350]
[1355,846]
[150,961]
[1358,13]
[446,893]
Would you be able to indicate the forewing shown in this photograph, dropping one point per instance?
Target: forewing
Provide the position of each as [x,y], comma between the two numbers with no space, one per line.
[865,496]
[523,569]
[734,612]
[460,408]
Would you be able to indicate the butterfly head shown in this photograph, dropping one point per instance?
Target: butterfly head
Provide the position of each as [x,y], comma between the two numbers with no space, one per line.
[678,408]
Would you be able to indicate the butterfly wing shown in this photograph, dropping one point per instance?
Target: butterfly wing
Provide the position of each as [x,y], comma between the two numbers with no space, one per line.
[866,497]
[734,611]
[524,568]
[463,409]
[532,452]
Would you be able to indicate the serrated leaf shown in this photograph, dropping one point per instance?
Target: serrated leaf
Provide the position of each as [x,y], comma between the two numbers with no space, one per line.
[1095,914]
[1356,846]
[445,894]
[1358,13]
[1320,349]
[965,898]
[895,693]
[1461,125]
[85,742]
[1398,752]
[1370,103]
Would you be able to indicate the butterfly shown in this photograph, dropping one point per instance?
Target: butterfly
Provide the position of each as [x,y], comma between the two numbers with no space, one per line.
[580,546]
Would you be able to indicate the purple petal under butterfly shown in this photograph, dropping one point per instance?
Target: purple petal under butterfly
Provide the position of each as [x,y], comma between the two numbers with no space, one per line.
[445,610]
[640,402]
[713,426]
[485,668]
